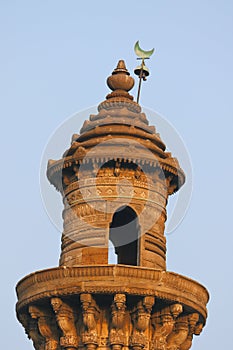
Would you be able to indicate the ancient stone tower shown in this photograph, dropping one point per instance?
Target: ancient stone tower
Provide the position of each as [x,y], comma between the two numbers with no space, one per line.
[115,180]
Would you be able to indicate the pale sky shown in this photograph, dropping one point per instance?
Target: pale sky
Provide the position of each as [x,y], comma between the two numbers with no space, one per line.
[55,57]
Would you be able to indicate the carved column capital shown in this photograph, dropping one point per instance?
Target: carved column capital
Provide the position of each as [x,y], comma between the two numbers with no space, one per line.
[119,301]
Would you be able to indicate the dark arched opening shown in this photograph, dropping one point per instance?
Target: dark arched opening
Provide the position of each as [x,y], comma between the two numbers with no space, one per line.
[124,234]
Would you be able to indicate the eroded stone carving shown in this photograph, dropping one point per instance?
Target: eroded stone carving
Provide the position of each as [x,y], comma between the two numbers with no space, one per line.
[66,322]
[32,331]
[90,312]
[46,326]
[140,318]
[192,320]
[117,337]
[163,322]
[179,333]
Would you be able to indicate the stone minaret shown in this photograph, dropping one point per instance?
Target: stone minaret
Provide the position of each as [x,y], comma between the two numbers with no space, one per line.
[115,180]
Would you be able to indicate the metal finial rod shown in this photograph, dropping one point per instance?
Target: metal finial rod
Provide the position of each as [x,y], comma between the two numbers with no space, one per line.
[140,80]
[142,71]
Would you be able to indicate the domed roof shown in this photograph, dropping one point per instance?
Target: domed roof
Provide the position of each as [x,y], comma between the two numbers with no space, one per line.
[120,125]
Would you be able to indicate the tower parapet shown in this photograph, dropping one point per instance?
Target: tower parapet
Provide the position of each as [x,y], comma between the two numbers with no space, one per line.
[115,180]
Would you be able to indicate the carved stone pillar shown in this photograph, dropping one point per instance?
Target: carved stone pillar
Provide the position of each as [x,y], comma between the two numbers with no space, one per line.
[179,334]
[163,323]
[90,314]
[117,337]
[31,328]
[66,322]
[141,318]
[46,326]
[192,319]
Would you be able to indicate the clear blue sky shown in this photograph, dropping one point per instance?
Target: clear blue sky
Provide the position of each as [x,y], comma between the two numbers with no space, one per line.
[55,57]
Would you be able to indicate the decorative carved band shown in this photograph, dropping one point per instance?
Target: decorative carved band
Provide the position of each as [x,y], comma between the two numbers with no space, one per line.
[111,279]
[82,323]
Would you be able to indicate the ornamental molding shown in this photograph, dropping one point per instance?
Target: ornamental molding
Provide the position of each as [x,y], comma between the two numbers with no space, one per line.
[101,279]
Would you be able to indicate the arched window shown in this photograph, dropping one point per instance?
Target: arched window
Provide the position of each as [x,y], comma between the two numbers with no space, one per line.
[124,234]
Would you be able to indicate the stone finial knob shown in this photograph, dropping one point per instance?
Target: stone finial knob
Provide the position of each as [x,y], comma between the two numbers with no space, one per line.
[121,68]
[120,78]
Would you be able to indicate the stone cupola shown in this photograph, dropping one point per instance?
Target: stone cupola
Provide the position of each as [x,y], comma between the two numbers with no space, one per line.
[115,180]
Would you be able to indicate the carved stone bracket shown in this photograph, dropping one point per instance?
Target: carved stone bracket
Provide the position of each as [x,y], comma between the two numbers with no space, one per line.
[179,333]
[117,337]
[66,321]
[31,328]
[192,320]
[141,318]
[166,328]
[90,312]
[163,322]
[46,326]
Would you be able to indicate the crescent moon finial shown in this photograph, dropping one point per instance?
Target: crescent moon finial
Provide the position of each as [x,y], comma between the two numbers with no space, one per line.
[142,53]
[142,71]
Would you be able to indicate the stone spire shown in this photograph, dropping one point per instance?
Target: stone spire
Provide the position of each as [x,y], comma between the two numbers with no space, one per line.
[119,106]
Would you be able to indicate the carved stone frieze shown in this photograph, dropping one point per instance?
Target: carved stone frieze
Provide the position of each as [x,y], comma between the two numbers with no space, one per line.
[145,326]
[143,281]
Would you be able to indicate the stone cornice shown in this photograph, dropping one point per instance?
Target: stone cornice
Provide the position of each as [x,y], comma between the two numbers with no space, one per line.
[168,165]
[108,279]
